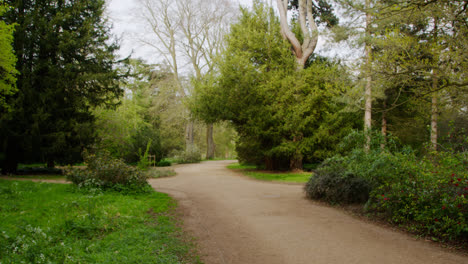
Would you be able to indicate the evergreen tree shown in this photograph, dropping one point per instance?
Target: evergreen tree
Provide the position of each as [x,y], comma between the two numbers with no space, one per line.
[278,112]
[66,61]
[7,62]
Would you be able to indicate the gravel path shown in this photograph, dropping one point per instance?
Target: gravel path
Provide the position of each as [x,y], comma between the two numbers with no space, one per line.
[238,220]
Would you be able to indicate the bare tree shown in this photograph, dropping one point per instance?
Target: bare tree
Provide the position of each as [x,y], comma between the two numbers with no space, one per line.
[187,31]
[202,26]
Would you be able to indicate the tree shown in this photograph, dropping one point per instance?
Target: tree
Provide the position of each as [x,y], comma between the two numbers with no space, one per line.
[188,30]
[66,60]
[8,71]
[310,13]
[305,38]
[422,49]
[270,104]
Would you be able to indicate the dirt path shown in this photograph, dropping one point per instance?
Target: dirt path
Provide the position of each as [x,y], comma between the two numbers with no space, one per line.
[238,220]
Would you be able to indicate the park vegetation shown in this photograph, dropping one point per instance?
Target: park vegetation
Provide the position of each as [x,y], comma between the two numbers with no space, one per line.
[388,125]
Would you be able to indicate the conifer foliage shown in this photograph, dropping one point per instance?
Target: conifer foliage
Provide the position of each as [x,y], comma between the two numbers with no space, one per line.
[66,60]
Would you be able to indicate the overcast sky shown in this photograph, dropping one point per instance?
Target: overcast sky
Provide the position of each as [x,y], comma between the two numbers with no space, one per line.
[123,16]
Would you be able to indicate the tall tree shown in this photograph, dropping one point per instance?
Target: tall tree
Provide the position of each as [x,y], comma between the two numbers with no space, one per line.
[303,41]
[8,71]
[270,104]
[422,47]
[66,60]
[188,30]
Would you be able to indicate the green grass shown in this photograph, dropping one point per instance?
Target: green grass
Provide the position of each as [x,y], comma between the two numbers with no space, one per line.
[56,223]
[237,166]
[250,170]
[160,172]
[41,176]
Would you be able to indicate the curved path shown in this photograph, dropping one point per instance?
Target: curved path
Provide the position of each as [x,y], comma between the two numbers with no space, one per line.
[244,221]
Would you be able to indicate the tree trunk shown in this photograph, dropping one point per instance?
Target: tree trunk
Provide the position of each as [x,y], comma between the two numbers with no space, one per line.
[384,126]
[434,114]
[295,163]
[189,135]
[368,91]
[210,145]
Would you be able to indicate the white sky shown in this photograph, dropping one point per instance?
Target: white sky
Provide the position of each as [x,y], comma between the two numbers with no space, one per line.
[123,16]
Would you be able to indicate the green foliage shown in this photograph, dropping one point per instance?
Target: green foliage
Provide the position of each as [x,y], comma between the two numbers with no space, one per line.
[163,163]
[278,112]
[105,172]
[67,66]
[334,184]
[57,223]
[427,195]
[238,166]
[144,163]
[251,171]
[297,177]
[8,71]
[190,155]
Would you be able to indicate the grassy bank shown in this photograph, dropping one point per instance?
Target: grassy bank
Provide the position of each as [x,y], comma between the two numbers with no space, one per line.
[251,171]
[53,223]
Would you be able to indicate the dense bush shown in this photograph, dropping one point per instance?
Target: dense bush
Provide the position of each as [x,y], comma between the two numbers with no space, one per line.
[105,172]
[431,199]
[425,194]
[332,183]
[163,163]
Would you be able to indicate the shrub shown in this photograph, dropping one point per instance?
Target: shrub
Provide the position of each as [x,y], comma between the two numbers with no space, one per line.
[332,183]
[163,163]
[427,195]
[105,172]
[191,155]
[431,199]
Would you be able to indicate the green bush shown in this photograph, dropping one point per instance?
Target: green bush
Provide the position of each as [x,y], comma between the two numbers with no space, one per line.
[431,199]
[427,195]
[332,183]
[105,172]
[163,163]
[191,155]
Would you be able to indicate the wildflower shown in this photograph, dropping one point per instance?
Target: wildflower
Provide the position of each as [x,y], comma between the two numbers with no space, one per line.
[459,205]
[453,174]
[459,179]
[436,220]
[443,207]
[385,198]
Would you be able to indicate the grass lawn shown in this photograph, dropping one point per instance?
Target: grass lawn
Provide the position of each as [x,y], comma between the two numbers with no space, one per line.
[250,170]
[57,223]
[41,176]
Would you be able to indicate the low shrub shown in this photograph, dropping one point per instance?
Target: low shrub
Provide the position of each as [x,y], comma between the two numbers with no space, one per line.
[105,172]
[332,183]
[427,195]
[163,163]
[431,199]
[190,155]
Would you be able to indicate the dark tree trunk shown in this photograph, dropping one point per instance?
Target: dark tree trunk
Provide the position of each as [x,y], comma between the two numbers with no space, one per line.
[10,164]
[295,163]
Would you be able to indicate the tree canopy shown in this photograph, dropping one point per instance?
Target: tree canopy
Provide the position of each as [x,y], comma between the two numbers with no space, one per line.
[66,59]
